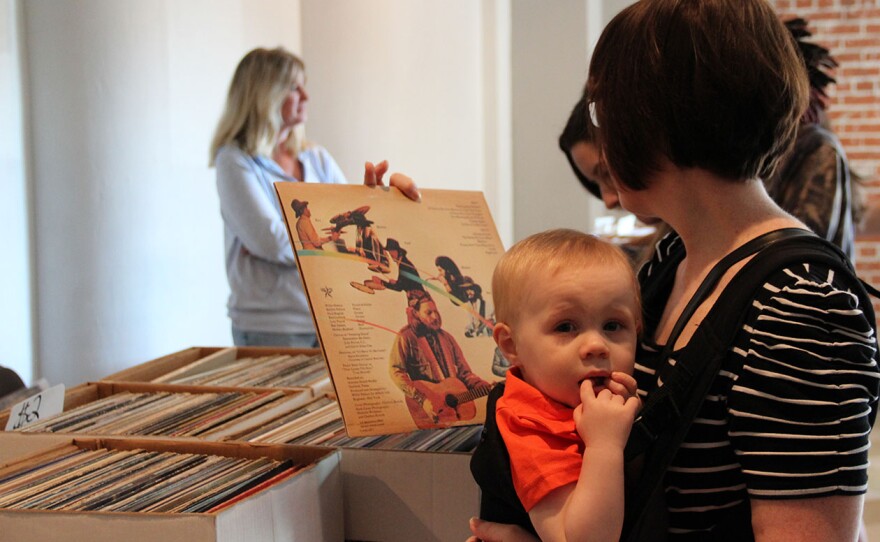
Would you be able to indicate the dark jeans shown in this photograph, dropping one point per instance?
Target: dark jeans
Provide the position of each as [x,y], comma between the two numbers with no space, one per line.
[261,338]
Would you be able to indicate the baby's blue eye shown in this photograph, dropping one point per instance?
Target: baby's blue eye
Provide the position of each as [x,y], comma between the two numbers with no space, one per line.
[613,326]
[564,327]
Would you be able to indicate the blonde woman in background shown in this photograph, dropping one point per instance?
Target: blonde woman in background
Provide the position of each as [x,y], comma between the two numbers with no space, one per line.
[259,141]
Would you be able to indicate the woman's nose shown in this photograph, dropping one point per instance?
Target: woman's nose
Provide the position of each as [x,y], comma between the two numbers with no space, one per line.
[609,197]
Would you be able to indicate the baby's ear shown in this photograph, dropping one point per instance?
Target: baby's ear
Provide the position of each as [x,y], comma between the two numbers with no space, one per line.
[504,339]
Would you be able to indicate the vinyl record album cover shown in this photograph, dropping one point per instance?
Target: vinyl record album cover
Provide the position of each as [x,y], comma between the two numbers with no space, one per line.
[401,296]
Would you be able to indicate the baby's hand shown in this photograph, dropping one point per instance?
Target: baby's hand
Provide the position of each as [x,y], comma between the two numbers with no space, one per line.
[605,420]
[622,384]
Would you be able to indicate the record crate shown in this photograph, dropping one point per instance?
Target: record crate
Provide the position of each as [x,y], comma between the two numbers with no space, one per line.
[200,359]
[134,409]
[388,494]
[300,506]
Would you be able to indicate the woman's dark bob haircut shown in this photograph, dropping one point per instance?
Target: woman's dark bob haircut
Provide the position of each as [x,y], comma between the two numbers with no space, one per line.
[711,84]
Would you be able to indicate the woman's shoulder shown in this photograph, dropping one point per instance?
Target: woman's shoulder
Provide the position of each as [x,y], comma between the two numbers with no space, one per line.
[322,163]
[804,274]
[811,286]
[315,153]
[808,340]
[815,310]
[229,155]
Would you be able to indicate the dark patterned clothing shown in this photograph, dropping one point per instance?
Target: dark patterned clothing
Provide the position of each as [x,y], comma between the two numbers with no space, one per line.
[408,277]
[813,184]
[368,245]
[789,414]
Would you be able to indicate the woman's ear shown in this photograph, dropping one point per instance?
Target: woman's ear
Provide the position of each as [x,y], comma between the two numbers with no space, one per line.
[504,339]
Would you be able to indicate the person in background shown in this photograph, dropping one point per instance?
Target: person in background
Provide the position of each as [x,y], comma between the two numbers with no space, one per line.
[569,316]
[578,143]
[259,141]
[814,181]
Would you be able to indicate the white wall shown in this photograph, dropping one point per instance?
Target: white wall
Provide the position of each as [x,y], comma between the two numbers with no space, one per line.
[414,82]
[498,97]
[549,69]
[125,95]
[393,79]
[551,46]
[15,287]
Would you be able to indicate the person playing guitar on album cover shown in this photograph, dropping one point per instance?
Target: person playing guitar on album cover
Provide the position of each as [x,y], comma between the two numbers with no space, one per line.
[427,364]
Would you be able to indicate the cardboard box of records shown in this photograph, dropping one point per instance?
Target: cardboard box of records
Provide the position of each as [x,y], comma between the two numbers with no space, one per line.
[415,486]
[142,490]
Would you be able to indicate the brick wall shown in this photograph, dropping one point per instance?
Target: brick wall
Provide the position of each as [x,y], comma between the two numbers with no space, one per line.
[850,29]
[868,263]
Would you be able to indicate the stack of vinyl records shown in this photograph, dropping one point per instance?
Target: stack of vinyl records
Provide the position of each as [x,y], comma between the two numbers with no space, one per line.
[74,479]
[453,439]
[276,371]
[269,417]
[208,416]
[332,433]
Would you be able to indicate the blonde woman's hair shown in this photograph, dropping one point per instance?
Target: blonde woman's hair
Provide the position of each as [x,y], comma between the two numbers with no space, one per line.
[252,117]
[550,251]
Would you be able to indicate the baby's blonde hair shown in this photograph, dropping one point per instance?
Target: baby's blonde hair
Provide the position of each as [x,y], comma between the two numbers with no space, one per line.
[550,251]
[252,117]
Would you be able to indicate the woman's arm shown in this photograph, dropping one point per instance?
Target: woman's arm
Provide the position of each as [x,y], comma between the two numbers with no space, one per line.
[801,410]
[248,211]
[807,520]
[488,531]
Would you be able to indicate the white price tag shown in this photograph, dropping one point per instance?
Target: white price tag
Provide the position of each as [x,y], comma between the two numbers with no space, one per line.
[37,407]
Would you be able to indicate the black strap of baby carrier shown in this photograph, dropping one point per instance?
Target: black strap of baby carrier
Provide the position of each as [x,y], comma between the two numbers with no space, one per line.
[669,410]
[490,466]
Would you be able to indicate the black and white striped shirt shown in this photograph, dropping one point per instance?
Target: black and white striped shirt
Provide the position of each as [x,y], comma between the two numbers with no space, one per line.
[789,414]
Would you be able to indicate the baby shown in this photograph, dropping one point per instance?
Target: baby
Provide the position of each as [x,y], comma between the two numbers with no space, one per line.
[568,319]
